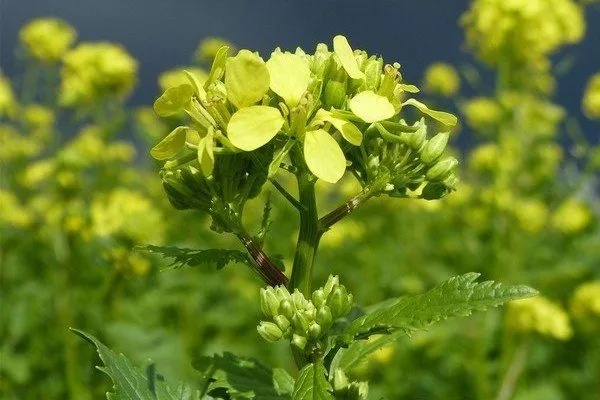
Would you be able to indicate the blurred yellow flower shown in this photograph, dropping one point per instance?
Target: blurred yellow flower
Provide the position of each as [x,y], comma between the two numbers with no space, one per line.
[532,214]
[37,172]
[38,116]
[482,113]
[585,304]
[571,217]
[176,77]
[96,71]
[484,157]
[208,47]
[47,39]
[8,104]
[591,97]
[522,31]
[441,79]
[152,127]
[538,314]
[14,146]
[12,212]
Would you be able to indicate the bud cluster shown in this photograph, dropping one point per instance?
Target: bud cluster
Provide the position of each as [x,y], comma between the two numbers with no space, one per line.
[304,322]
[343,389]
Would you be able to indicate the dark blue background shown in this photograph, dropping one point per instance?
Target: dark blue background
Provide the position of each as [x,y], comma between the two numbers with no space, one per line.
[164,33]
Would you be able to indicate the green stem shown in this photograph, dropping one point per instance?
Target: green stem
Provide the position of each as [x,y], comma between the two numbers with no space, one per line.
[511,378]
[266,268]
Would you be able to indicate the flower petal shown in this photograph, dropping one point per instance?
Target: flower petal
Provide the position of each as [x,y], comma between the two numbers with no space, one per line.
[323,156]
[172,100]
[342,49]
[444,117]
[289,75]
[371,107]
[170,145]
[246,79]
[348,130]
[252,127]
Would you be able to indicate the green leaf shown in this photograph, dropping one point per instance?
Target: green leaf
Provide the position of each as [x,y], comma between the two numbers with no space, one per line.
[444,117]
[217,68]
[171,144]
[246,79]
[458,296]
[218,258]
[245,378]
[252,127]
[323,156]
[312,383]
[173,100]
[371,107]
[132,384]
[408,88]
[289,75]
[348,130]
[344,52]
[355,354]
[206,156]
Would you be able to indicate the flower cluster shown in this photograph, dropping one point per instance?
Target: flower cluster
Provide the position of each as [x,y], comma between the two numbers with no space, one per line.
[7,98]
[591,97]
[585,304]
[96,71]
[441,79]
[47,39]
[302,321]
[538,314]
[571,217]
[522,31]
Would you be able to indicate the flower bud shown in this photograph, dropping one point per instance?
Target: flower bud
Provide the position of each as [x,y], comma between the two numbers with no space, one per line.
[282,322]
[335,94]
[300,322]
[269,304]
[332,282]
[373,68]
[434,148]
[282,293]
[318,297]
[415,140]
[314,330]
[269,331]
[299,341]
[337,301]
[321,60]
[434,191]
[324,317]
[298,300]
[286,308]
[442,169]
[451,181]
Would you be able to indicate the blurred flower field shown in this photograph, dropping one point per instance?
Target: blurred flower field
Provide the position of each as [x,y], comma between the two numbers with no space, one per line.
[80,195]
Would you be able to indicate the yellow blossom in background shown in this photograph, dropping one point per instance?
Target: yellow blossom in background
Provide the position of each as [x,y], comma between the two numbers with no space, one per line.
[531,214]
[208,47]
[47,39]
[176,77]
[484,158]
[571,217]
[384,354]
[149,125]
[38,116]
[12,212]
[128,260]
[96,71]
[441,79]
[345,230]
[8,104]
[585,304]
[37,172]
[591,97]
[538,314]
[482,113]
[126,213]
[522,31]
[14,146]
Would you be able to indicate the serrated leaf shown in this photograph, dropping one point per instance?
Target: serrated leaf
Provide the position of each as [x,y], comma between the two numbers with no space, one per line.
[246,79]
[323,155]
[245,378]
[173,100]
[344,52]
[348,358]
[171,144]
[458,296]
[348,130]
[312,383]
[218,258]
[371,107]
[289,75]
[441,116]
[130,383]
[253,127]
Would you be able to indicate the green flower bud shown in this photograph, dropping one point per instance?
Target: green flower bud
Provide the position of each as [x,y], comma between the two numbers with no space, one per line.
[282,322]
[415,140]
[332,281]
[434,148]
[269,331]
[324,317]
[318,297]
[300,322]
[335,94]
[321,60]
[451,181]
[310,311]
[299,341]
[373,70]
[286,308]
[337,301]
[298,300]
[269,304]
[434,191]
[282,293]
[314,330]
[442,169]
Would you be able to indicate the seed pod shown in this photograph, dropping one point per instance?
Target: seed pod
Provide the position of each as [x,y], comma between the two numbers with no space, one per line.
[324,317]
[269,331]
[269,304]
[318,297]
[286,308]
[434,148]
[314,330]
[299,341]
[282,322]
[300,322]
[442,169]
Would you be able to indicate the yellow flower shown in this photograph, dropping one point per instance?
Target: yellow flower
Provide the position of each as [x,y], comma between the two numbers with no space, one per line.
[483,158]
[585,304]
[531,214]
[538,314]
[571,217]
[38,116]
[522,31]
[207,49]
[482,113]
[47,39]
[37,172]
[152,127]
[441,79]
[12,212]
[176,77]
[96,71]
[8,103]
[591,97]
[14,146]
